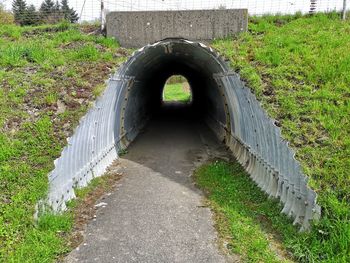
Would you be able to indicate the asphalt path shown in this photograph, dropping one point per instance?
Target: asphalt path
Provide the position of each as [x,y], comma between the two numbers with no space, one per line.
[156,213]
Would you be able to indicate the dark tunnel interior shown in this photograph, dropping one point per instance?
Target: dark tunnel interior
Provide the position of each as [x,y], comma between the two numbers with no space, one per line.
[149,73]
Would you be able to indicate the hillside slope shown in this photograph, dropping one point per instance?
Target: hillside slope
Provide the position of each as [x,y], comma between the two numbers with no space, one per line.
[49,75]
[299,68]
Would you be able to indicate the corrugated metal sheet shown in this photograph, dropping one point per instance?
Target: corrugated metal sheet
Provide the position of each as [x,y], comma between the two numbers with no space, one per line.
[254,140]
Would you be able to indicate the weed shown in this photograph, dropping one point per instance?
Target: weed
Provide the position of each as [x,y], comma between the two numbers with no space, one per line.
[88,52]
[122,152]
[98,90]
[51,99]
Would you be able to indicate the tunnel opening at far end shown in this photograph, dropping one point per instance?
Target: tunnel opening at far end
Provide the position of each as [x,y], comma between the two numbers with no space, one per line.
[177,90]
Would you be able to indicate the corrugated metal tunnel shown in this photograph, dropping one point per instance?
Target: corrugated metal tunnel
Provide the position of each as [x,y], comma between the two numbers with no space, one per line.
[148,73]
[229,108]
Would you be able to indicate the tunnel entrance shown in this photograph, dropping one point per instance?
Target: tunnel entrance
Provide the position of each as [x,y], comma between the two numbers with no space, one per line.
[219,98]
[147,87]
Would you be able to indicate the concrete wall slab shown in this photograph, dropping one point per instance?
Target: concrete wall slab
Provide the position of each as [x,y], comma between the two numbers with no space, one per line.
[139,28]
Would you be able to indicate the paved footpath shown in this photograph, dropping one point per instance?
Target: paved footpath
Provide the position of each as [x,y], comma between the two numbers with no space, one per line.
[155,214]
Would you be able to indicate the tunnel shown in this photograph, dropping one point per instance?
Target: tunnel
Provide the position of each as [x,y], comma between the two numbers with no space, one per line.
[219,98]
[148,73]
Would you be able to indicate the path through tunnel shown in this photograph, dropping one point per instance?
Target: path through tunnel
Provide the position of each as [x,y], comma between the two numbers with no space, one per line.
[157,214]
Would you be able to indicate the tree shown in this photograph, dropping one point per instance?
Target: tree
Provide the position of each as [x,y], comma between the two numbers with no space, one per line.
[47,7]
[57,12]
[19,9]
[57,7]
[69,13]
[50,12]
[65,9]
[32,16]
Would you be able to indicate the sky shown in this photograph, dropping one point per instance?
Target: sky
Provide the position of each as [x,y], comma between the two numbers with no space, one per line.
[90,9]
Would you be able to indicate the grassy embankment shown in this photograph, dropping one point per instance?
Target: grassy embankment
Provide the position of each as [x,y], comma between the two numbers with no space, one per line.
[299,68]
[49,75]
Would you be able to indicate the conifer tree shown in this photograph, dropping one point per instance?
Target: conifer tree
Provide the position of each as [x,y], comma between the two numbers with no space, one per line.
[47,12]
[57,12]
[47,7]
[32,16]
[69,13]
[57,7]
[19,9]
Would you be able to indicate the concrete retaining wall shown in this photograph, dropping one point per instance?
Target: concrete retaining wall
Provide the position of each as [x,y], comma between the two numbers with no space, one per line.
[136,29]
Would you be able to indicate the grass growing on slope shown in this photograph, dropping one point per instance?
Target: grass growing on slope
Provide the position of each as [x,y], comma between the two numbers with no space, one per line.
[299,68]
[246,216]
[49,75]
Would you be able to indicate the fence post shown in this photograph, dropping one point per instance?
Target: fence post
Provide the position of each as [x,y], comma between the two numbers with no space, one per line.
[344,10]
[103,18]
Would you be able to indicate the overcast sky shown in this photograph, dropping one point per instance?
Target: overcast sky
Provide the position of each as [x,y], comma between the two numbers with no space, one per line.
[91,9]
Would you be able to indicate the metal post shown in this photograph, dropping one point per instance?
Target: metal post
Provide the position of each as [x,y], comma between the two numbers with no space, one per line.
[344,10]
[103,20]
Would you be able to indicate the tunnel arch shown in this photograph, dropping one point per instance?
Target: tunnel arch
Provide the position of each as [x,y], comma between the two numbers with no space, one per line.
[227,106]
[148,71]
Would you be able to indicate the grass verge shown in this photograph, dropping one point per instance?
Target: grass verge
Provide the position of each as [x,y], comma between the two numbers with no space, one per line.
[49,75]
[250,224]
[246,218]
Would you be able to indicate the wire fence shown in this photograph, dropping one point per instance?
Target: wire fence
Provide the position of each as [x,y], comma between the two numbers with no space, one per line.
[94,10]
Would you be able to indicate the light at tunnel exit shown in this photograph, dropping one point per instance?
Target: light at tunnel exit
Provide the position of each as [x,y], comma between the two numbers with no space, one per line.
[177,89]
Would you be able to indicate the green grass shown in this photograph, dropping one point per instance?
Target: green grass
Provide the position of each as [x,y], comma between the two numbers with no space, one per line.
[40,66]
[253,226]
[246,215]
[299,68]
[176,92]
